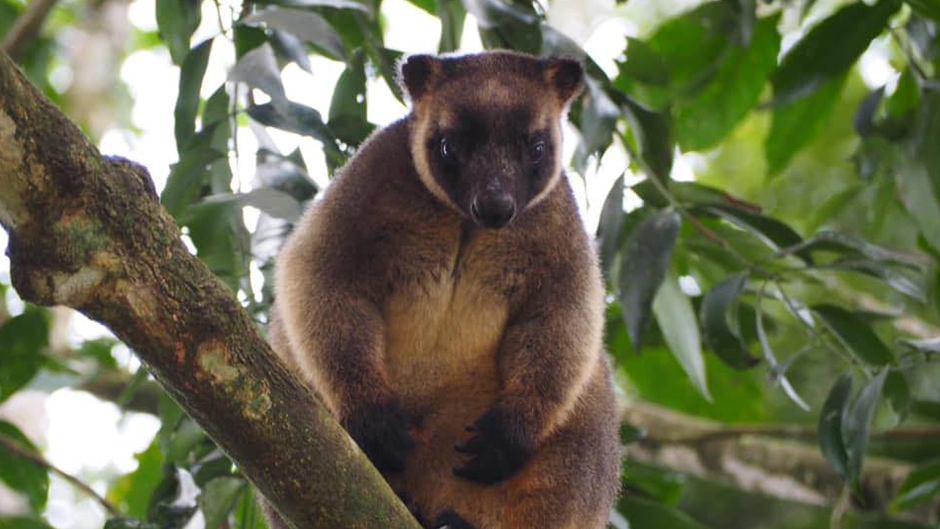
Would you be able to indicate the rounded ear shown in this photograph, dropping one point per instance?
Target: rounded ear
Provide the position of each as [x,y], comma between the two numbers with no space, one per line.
[417,74]
[565,76]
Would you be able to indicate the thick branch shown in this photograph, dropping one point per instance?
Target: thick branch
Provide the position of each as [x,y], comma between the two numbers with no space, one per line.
[88,231]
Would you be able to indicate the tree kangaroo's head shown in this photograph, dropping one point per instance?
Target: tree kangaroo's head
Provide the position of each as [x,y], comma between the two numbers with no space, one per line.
[486,133]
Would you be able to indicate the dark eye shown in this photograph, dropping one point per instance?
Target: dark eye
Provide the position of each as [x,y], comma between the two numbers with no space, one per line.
[536,151]
[447,151]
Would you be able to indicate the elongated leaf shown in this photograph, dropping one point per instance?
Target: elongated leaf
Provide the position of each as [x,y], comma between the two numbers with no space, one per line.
[336,4]
[452,15]
[855,334]
[23,340]
[597,121]
[305,25]
[927,8]
[705,118]
[648,514]
[187,175]
[610,224]
[857,424]
[831,418]
[676,320]
[645,261]
[896,280]
[347,117]
[491,13]
[299,119]
[898,393]
[218,499]
[719,323]
[20,474]
[177,20]
[771,231]
[132,491]
[258,69]
[921,484]
[654,138]
[271,201]
[797,122]
[187,100]
[290,48]
[829,49]
[851,246]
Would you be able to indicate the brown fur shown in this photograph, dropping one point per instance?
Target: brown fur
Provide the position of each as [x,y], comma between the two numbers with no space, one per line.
[388,294]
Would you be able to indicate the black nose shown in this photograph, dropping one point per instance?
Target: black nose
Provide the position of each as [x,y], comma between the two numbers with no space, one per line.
[493,211]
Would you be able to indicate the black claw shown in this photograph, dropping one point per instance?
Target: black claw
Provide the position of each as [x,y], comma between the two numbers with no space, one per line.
[499,448]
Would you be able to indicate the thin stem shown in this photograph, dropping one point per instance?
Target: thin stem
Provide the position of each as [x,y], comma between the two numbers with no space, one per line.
[16,449]
[26,28]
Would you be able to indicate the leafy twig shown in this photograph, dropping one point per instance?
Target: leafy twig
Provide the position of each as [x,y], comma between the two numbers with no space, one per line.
[14,447]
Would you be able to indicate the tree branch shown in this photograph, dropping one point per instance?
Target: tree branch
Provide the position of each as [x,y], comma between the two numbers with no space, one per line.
[14,448]
[26,28]
[88,231]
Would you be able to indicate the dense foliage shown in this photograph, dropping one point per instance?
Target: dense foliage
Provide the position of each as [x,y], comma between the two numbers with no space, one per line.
[791,290]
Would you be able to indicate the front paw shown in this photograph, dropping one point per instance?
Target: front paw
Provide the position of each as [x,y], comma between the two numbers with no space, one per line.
[451,520]
[498,449]
[381,431]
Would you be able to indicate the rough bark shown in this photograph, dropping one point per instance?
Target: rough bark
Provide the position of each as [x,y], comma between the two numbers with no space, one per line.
[89,232]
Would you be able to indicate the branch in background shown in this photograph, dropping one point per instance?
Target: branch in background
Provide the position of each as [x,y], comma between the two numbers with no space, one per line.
[19,451]
[26,28]
[754,458]
[112,385]
[89,232]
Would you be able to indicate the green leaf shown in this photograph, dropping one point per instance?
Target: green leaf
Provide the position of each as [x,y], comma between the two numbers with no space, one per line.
[851,246]
[855,334]
[702,120]
[898,393]
[336,4]
[921,484]
[21,522]
[299,119]
[490,13]
[769,230]
[676,320]
[926,409]
[831,440]
[218,498]
[653,133]
[290,48]
[427,5]
[452,15]
[189,174]
[20,474]
[187,102]
[132,491]
[649,514]
[305,25]
[829,49]
[927,132]
[347,117]
[646,258]
[275,203]
[797,122]
[597,121]
[248,514]
[23,340]
[926,8]
[258,68]
[610,225]
[719,318]
[687,49]
[857,424]
[177,20]
[896,280]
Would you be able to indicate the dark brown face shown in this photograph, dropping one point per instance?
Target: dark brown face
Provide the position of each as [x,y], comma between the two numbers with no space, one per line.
[486,137]
[491,162]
